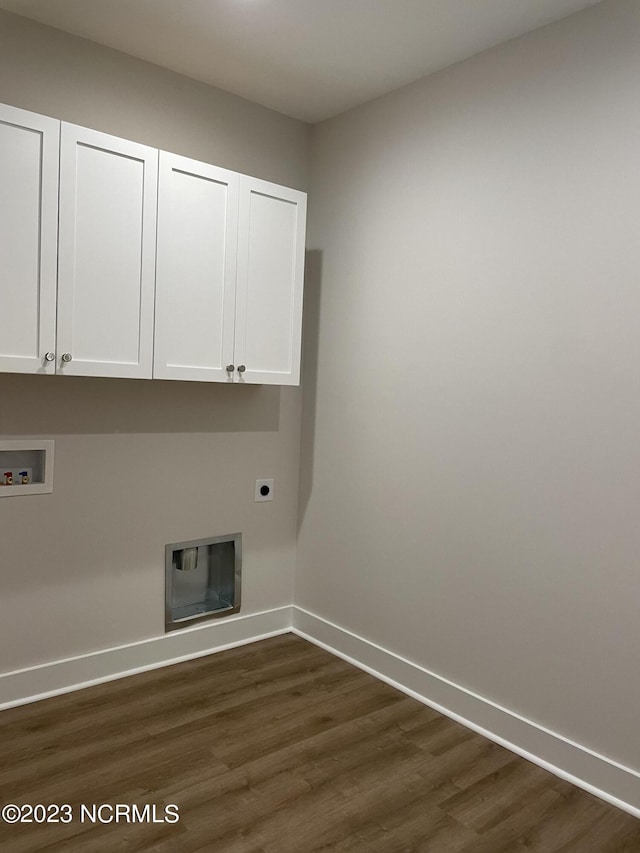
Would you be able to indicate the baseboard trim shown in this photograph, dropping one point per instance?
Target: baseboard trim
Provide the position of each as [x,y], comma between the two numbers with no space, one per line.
[63,676]
[601,776]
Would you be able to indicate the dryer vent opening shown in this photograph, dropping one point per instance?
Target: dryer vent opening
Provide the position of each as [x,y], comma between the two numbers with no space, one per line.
[202,579]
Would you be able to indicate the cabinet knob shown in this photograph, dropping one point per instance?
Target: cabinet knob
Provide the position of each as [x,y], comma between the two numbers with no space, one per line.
[241,368]
[230,368]
[50,356]
[66,357]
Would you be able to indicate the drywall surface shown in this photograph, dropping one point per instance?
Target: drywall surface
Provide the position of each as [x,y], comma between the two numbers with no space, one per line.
[139,464]
[470,463]
[53,73]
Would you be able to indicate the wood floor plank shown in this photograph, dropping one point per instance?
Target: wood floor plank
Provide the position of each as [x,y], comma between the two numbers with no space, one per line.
[439,734]
[279,747]
[510,829]
[326,712]
[483,757]
[483,804]
[611,833]
[570,819]
[415,828]
[181,705]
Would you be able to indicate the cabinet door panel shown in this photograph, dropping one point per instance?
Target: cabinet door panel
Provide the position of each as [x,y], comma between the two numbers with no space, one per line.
[270,279]
[108,195]
[28,239]
[196,269]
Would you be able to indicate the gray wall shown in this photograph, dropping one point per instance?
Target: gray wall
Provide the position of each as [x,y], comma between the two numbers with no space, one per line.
[470,464]
[138,463]
[471,408]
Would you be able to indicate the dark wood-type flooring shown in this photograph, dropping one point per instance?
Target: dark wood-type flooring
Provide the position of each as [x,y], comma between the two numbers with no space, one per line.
[280,747]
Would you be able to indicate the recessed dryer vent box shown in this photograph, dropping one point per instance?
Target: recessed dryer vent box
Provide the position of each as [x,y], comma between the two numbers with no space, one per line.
[202,579]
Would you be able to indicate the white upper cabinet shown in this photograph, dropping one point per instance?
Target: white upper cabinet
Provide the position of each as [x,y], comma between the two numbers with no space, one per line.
[28,240]
[271,235]
[119,260]
[106,273]
[196,270]
[229,276]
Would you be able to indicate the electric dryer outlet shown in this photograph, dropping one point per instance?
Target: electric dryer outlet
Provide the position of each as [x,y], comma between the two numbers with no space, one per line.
[264,490]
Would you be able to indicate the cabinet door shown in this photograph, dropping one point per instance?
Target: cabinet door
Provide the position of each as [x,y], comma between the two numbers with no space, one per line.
[196,270]
[271,236]
[28,240]
[108,197]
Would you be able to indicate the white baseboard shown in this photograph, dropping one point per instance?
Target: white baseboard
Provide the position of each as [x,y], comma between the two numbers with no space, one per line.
[597,774]
[63,676]
[601,776]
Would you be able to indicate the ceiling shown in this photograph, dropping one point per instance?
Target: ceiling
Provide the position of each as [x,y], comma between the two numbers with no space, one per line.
[310,59]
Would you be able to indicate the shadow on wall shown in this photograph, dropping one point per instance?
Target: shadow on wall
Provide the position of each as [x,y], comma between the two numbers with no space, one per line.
[310,342]
[52,405]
